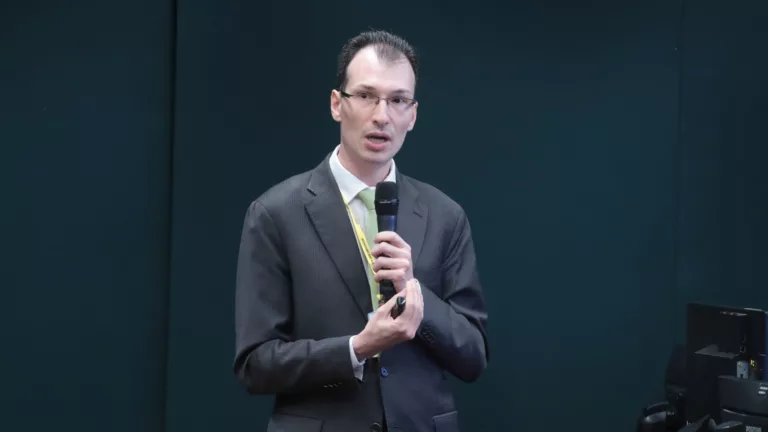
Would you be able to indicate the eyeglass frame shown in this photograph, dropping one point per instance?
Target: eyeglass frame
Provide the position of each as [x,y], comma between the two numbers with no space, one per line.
[410,102]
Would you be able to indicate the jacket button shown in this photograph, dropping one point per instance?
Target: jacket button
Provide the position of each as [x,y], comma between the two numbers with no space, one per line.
[384,372]
[375,427]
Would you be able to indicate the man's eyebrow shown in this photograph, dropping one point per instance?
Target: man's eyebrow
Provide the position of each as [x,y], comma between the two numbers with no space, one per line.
[401,92]
[370,88]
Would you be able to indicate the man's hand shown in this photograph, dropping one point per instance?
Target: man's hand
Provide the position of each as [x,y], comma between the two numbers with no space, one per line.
[393,260]
[382,331]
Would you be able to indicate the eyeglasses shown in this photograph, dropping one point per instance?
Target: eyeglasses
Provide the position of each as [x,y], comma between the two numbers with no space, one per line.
[365,100]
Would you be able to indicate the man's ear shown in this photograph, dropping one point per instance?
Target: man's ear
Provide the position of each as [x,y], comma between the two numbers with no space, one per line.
[413,118]
[336,105]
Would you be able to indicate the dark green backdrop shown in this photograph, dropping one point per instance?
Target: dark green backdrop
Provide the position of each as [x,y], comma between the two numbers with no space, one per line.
[610,156]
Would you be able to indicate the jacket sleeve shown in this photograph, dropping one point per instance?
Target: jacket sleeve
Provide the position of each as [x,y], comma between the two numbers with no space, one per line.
[267,360]
[453,328]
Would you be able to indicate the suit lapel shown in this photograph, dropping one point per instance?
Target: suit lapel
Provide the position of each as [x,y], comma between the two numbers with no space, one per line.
[326,210]
[325,207]
[411,217]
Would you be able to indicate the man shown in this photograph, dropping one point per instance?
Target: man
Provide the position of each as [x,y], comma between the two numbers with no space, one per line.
[310,328]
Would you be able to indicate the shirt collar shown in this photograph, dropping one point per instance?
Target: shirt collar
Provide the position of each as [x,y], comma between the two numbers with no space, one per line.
[349,185]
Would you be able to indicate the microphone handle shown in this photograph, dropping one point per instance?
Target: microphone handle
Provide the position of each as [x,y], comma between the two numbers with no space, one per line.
[387,223]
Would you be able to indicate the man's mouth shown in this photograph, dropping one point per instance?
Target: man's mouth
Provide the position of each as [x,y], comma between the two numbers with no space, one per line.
[377,137]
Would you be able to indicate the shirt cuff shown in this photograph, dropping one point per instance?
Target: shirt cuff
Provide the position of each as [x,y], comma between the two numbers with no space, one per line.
[357,366]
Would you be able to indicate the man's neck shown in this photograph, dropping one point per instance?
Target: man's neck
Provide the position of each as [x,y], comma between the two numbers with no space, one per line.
[369,174]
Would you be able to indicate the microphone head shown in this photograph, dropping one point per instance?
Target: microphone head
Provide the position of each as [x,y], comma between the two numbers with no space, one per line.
[386,200]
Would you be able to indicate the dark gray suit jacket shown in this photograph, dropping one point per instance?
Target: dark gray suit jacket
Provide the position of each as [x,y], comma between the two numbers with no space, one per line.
[302,292]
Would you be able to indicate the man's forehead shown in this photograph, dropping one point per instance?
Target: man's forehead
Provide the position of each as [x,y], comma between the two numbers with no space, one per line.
[368,70]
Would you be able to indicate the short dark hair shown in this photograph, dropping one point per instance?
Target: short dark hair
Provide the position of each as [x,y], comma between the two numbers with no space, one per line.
[388,47]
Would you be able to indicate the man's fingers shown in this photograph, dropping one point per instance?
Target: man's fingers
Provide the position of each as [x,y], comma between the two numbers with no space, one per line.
[411,313]
[388,274]
[416,300]
[419,294]
[410,302]
[392,238]
[383,262]
[391,250]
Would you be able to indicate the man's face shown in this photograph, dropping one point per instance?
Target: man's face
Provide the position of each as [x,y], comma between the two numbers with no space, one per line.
[371,134]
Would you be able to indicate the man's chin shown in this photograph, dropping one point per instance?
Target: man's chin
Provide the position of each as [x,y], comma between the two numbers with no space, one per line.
[377,159]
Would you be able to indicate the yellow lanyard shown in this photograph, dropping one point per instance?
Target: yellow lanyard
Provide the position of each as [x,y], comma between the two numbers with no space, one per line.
[363,245]
[368,255]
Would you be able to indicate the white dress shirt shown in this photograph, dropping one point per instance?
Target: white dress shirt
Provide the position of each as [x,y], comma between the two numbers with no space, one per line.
[350,186]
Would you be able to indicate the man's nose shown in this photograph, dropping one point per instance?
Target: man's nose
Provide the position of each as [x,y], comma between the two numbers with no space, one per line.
[381,112]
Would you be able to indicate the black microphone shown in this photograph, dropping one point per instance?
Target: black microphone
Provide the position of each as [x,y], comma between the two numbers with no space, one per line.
[386,203]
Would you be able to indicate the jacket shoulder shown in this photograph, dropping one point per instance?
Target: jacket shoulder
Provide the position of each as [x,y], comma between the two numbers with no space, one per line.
[285,195]
[433,197]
